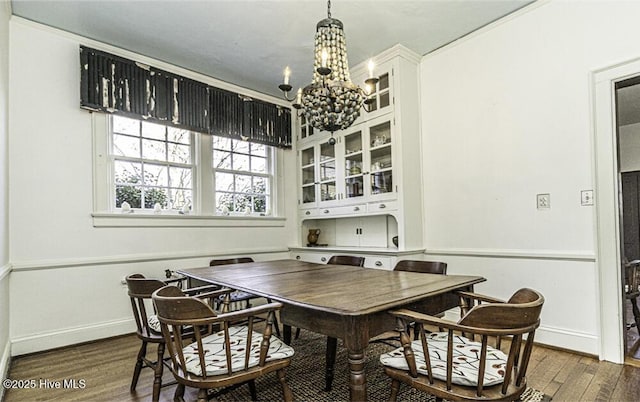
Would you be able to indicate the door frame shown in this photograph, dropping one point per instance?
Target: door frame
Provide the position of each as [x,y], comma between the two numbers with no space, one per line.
[607,196]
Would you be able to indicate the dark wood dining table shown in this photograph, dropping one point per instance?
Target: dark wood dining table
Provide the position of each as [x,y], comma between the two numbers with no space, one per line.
[340,301]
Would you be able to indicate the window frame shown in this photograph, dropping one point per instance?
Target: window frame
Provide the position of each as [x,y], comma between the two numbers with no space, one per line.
[269,175]
[203,213]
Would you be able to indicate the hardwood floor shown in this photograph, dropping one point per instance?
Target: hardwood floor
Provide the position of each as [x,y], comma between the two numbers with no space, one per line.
[106,367]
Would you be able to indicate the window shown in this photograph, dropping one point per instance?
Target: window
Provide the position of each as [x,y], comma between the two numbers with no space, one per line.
[152,165]
[161,170]
[242,176]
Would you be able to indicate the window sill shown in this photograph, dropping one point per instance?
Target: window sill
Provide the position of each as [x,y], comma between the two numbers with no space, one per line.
[149,220]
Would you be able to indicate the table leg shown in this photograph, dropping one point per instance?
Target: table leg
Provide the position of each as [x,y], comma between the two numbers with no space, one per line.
[330,361]
[286,334]
[357,379]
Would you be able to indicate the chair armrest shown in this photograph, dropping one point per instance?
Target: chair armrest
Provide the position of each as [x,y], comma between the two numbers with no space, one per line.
[238,315]
[197,291]
[477,296]
[446,324]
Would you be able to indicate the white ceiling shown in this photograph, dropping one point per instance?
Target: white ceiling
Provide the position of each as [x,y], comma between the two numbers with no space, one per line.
[249,42]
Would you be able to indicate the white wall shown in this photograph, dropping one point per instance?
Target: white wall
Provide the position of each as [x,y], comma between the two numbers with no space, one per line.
[629,141]
[65,287]
[506,114]
[5,268]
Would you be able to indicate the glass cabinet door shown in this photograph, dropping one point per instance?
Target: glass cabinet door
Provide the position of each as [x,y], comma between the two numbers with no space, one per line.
[327,171]
[381,93]
[380,158]
[307,163]
[353,165]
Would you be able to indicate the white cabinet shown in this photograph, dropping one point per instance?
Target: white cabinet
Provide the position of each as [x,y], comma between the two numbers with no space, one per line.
[362,231]
[374,168]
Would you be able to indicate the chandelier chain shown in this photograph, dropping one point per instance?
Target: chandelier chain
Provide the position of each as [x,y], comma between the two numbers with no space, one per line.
[329,8]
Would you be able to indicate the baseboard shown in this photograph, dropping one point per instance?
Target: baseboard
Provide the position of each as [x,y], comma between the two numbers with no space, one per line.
[70,336]
[5,363]
[570,340]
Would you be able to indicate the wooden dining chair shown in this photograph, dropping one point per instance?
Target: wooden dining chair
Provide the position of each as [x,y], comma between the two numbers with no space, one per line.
[423,267]
[148,327]
[459,363]
[223,354]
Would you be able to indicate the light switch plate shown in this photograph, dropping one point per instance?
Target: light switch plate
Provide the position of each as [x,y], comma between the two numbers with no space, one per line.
[586,197]
[543,201]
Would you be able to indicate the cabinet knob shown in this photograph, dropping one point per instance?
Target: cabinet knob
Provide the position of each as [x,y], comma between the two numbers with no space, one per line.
[326,211]
[323,259]
[297,257]
[382,206]
[308,213]
[356,208]
[378,263]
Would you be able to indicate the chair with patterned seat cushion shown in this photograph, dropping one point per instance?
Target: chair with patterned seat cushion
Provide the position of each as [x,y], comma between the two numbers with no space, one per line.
[227,354]
[459,363]
[148,326]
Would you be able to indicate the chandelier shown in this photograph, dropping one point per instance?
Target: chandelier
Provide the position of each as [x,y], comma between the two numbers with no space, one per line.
[331,102]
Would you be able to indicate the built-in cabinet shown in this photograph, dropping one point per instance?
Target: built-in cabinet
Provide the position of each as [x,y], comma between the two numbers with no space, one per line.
[364,191]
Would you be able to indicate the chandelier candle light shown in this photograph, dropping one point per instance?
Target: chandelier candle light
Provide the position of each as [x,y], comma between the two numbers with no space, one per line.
[331,102]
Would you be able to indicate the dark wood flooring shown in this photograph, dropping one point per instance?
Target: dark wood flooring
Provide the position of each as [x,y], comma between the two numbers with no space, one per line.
[106,368]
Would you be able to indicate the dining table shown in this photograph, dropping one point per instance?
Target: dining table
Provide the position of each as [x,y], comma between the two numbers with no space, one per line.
[340,301]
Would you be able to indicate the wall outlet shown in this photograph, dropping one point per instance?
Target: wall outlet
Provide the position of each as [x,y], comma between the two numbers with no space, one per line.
[586,197]
[543,201]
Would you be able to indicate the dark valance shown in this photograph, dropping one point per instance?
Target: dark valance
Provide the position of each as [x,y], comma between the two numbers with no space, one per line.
[112,84]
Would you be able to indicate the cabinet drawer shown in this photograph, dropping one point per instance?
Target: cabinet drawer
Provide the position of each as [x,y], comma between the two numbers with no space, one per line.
[382,206]
[378,262]
[308,213]
[320,258]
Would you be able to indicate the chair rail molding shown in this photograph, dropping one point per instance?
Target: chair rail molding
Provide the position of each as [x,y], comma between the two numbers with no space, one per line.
[137,258]
[570,255]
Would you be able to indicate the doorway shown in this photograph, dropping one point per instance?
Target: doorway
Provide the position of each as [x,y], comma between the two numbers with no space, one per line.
[627,106]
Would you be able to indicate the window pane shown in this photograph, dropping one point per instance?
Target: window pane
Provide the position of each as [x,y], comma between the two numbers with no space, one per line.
[155,175]
[154,150]
[130,194]
[153,195]
[258,164]
[260,204]
[224,200]
[241,146]
[127,172]
[180,177]
[125,126]
[222,160]
[258,150]
[124,145]
[180,198]
[152,130]
[222,143]
[260,185]
[243,184]
[241,203]
[178,135]
[241,162]
[224,181]
[179,153]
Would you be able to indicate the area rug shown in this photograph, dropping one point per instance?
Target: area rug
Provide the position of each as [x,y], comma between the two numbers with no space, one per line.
[306,377]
